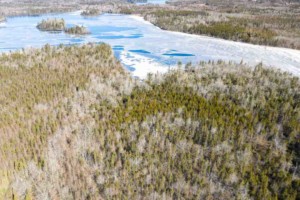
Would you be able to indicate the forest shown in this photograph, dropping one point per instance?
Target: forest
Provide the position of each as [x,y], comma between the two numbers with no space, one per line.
[75,125]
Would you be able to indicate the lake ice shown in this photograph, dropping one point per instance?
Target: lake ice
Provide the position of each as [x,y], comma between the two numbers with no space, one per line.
[141,46]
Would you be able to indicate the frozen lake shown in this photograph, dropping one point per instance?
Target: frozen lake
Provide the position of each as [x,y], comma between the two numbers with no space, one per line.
[141,46]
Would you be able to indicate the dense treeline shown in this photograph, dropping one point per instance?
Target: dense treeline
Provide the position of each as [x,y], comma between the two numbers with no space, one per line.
[229,31]
[84,129]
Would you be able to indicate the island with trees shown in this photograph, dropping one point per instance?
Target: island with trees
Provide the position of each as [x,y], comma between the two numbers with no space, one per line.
[59,25]
[90,12]
[52,25]
[77,30]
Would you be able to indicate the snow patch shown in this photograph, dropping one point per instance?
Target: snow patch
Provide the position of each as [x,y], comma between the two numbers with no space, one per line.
[142,65]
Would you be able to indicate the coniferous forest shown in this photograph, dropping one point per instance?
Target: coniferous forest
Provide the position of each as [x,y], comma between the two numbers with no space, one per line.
[75,125]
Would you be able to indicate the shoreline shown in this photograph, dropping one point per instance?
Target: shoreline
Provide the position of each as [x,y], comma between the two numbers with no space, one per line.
[291,54]
[141,19]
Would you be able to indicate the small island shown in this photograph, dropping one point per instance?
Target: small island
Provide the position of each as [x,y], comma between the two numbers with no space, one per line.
[77,30]
[59,25]
[90,12]
[52,25]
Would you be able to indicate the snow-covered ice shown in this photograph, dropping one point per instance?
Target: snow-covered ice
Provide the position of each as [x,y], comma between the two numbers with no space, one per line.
[143,47]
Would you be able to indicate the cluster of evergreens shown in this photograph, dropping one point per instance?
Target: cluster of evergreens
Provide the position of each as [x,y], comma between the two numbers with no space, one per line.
[75,123]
